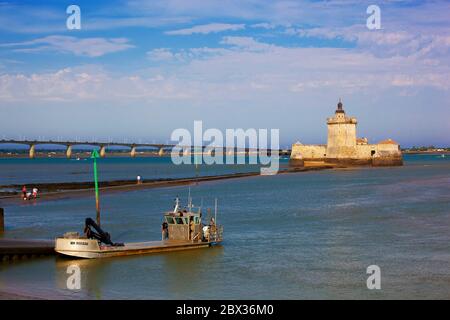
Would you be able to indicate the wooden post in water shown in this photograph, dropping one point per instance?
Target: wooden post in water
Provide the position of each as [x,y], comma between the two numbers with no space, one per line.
[2,222]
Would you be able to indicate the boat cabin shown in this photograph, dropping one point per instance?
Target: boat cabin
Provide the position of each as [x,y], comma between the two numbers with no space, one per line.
[183,224]
[186,225]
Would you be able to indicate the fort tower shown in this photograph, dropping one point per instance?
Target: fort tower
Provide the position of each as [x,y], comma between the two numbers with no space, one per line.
[341,134]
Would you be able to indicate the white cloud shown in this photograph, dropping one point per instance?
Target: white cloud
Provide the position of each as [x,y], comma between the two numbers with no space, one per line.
[247,66]
[88,84]
[269,87]
[146,21]
[274,12]
[44,19]
[160,54]
[425,43]
[183,55]
[247,43]
[20,18]
[91,47]
[245,75]
[207,28]
[264,25]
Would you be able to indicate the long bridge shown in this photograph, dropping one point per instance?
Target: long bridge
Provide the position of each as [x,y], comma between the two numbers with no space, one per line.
[162,148]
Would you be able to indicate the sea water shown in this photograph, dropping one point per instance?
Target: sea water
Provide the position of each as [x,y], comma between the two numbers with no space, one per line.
[308,235]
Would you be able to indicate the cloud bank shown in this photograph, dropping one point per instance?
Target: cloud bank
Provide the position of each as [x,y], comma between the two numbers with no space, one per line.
[207,28]
[90,47]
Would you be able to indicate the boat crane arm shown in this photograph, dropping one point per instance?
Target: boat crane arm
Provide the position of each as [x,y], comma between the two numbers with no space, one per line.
[100,235]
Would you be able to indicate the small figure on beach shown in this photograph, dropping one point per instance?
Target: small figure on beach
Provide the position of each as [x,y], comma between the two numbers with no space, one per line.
[28,195]
[138,179]
[24,193]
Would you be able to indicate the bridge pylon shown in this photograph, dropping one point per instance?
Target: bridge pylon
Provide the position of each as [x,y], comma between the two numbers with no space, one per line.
[32,152]
[102,151]
[69,151]
[133,152]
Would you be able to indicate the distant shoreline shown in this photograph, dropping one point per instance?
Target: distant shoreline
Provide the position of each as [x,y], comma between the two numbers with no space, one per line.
[142,154]
[426,152]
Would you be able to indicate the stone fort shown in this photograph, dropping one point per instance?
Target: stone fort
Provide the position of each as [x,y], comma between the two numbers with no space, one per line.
[343,146]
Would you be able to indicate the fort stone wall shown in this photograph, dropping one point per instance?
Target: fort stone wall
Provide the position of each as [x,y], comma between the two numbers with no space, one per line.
[309,152]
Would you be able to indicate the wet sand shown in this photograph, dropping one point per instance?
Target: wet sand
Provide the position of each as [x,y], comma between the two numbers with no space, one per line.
[74,189]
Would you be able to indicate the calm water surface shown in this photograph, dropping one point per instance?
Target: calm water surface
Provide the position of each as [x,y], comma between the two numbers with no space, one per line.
[45,170]
[306,235]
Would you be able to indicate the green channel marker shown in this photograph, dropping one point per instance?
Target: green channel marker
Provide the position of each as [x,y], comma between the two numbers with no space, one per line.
[94,156]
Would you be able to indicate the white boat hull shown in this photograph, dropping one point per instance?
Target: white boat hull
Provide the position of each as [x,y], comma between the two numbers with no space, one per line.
[91,249]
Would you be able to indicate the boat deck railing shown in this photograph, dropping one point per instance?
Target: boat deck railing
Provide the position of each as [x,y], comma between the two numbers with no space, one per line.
[216,234]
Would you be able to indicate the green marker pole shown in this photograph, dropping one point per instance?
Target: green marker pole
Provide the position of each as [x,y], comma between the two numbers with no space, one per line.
[94,156]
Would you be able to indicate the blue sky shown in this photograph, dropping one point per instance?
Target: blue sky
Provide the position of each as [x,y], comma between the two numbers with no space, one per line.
[139,69]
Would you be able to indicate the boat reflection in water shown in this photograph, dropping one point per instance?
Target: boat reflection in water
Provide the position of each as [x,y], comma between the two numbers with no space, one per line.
[81,277]
[175,272]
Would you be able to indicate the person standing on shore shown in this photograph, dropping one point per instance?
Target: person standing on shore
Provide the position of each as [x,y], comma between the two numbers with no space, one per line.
[24,193]
[138,179]
[35,192]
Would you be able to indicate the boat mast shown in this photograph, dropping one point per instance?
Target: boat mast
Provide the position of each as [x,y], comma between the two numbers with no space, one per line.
[201,206]
[189,200]
[177,205]
[215,211]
